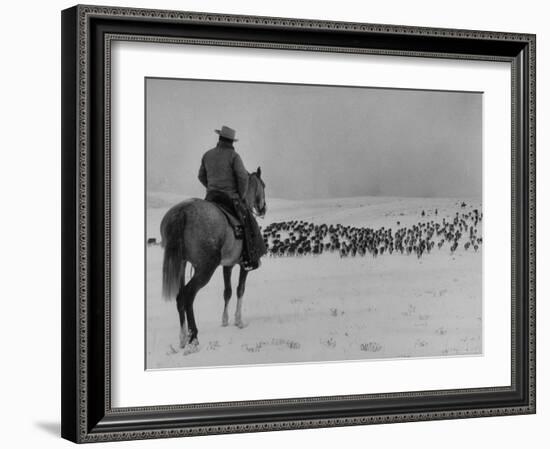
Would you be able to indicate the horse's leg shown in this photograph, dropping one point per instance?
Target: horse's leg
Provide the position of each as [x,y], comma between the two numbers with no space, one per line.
[240,292]
[200,278]
[226,293]
[181,310]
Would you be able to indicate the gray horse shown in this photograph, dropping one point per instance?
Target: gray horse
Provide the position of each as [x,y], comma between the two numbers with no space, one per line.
[196,231]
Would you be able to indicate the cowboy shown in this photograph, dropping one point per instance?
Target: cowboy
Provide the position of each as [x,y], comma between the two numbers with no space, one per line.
[223,174]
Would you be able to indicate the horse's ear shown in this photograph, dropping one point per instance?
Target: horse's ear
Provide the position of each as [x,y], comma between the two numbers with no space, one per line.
[259,172]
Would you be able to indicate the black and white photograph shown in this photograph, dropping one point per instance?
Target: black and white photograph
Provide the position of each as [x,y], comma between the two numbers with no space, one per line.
[298,223]
[275,220]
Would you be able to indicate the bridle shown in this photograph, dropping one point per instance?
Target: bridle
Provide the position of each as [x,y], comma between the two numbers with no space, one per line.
[261,181]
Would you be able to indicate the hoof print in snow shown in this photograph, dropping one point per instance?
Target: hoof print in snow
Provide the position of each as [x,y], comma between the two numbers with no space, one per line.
[410,311]
[420,343]
[171,350]
[290,344]
[253,348]
[281,342]
[371,346]
[450,351]
[330,343]
[213,345]
[293,345]
[240,324]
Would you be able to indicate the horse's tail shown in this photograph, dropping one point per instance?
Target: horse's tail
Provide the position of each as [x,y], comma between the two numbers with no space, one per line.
[173,266]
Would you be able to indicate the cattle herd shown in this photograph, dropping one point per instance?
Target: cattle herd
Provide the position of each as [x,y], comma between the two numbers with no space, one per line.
[301,238]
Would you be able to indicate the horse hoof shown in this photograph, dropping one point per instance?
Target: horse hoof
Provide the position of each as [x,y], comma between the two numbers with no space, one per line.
[191,347]
[183,339]
[240,324]
[183,342]
[225,323]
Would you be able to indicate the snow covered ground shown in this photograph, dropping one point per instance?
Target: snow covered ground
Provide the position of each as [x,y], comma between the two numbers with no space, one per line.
[327,308]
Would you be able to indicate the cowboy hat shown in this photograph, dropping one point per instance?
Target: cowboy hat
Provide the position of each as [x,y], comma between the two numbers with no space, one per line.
[227,133]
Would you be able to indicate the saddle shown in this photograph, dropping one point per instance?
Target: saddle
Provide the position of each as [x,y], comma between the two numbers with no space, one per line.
[232,219]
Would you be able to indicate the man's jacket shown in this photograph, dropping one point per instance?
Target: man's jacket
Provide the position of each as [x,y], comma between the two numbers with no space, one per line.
[222,170]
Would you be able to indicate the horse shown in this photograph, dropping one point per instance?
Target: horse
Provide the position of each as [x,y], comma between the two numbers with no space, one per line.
[196,231]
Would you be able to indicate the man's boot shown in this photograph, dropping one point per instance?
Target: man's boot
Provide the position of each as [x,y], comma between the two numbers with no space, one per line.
[251,265]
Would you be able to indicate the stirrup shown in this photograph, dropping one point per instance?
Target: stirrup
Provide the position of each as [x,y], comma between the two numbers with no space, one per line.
[239,232]
[247,266]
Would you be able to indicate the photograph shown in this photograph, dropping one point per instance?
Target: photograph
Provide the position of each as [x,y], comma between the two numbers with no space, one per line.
[302,223]
[277,222]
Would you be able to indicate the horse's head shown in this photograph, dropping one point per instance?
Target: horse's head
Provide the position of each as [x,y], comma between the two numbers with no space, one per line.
[256,193]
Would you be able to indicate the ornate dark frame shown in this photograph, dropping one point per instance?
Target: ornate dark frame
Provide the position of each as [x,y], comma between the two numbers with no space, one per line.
[87,33]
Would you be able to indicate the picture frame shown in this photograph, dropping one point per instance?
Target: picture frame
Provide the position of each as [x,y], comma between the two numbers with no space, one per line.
[87,411]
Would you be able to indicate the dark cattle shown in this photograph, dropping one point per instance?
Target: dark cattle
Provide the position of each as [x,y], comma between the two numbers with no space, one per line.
[302,238]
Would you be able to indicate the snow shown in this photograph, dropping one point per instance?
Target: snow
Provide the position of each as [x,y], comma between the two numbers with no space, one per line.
[327,308]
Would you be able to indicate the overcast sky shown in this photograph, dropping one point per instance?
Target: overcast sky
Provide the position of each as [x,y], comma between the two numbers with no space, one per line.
[318,141]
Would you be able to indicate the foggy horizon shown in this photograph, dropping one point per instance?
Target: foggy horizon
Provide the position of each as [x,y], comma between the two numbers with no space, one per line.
[318,142]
